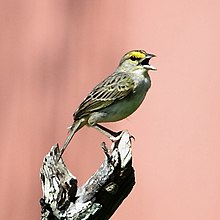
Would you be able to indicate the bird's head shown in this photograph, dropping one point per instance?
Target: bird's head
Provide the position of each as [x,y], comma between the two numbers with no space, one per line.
[137,58]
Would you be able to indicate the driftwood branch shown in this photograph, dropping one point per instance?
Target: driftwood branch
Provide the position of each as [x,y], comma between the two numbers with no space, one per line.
[99,197]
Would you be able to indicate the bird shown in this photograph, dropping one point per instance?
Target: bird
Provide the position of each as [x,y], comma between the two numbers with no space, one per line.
[116,97]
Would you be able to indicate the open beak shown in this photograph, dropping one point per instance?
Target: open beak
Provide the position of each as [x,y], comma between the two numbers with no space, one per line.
[145,62]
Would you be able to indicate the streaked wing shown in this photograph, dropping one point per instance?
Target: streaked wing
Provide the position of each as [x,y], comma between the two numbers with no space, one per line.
[114,88]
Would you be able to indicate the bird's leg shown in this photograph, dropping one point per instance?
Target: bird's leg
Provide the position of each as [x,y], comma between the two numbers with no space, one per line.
[113,136]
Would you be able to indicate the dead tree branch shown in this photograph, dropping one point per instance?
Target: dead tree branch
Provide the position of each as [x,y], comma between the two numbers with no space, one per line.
[99,197]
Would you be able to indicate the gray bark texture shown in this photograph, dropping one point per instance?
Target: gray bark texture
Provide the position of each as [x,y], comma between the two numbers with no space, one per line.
[99,197]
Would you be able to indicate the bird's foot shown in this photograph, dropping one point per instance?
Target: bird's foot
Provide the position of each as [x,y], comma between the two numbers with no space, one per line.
[116,136]
[112,135]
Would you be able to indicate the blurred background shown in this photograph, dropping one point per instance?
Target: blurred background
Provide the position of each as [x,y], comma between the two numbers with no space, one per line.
[54,52]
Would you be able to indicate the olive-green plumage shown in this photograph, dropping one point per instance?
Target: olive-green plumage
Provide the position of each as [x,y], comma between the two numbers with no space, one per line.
[116,97]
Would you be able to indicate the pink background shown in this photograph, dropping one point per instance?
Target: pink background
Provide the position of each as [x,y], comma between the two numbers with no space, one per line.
[54,52]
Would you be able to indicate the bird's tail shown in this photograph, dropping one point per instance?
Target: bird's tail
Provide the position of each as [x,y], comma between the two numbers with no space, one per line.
[72,130]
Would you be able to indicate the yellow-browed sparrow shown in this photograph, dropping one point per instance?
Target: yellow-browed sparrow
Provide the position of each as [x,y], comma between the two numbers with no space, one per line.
[115,98]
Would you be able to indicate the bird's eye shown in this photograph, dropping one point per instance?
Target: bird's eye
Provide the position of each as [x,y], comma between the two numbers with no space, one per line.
[133,58]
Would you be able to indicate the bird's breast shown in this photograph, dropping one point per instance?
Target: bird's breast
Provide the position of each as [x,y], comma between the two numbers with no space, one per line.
[121,109]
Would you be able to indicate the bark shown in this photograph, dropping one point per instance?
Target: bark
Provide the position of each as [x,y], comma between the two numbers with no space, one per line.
[99,197]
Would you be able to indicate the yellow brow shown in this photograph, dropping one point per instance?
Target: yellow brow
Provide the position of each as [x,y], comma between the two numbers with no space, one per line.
[137,54]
